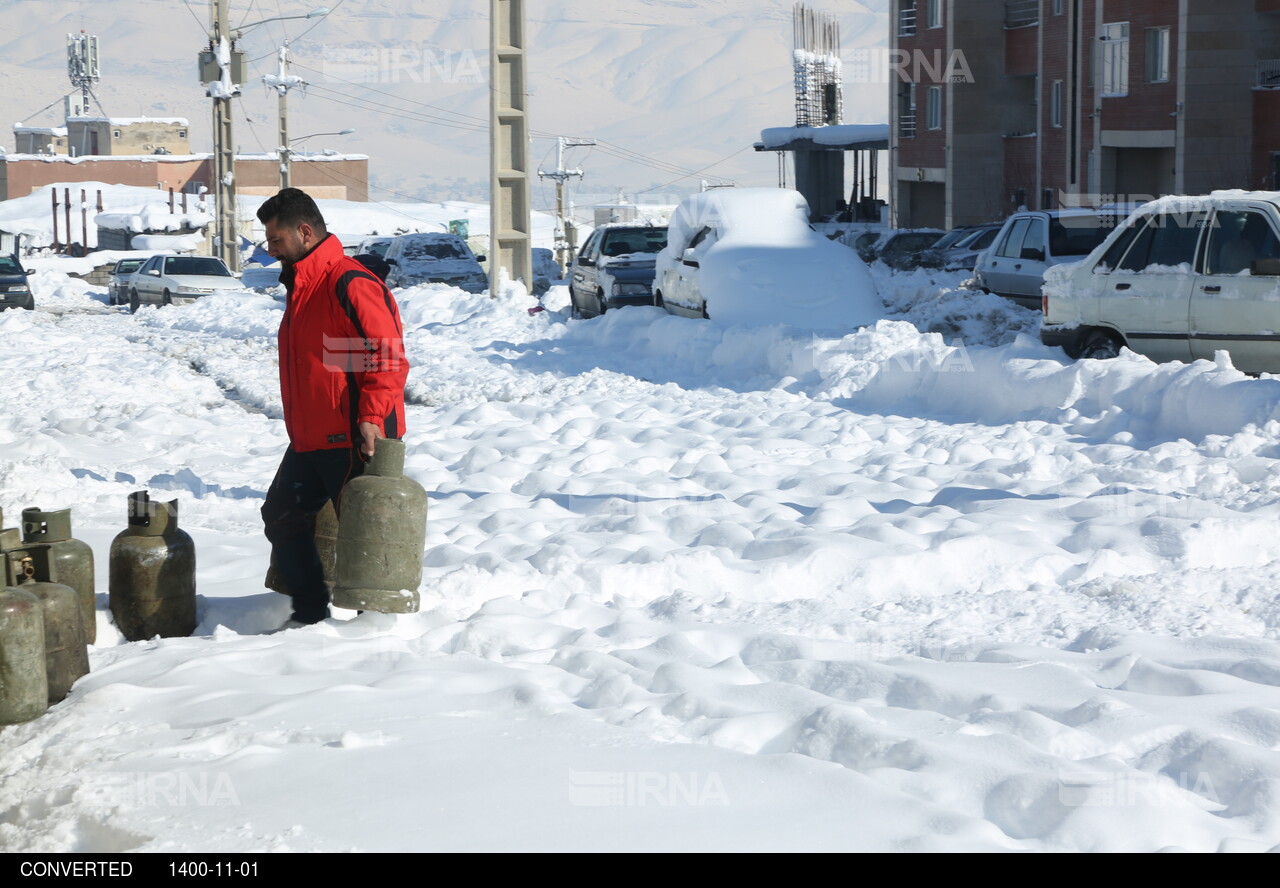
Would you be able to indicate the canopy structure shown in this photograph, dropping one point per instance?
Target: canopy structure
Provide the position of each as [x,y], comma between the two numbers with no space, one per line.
[818,157]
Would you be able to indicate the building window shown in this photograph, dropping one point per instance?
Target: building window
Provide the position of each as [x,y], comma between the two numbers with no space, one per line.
[1115,59]
[934,13]
[182,134]
[1057,7]
[1157,55]
[115,133]
[906,110]
[1055,103]
[933,108]
[907,18]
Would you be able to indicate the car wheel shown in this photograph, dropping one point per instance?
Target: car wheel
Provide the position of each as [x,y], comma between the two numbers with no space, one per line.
[134,304]
[600,302]
[657,300]
[1100,345]
[168,299]
[31,302]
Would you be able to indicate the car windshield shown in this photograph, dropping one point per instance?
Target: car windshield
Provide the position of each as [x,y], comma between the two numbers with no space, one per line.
[640,240]
[124,266]
[434,249]
[954,237]
[1078,235]
[9,265]
[203,266]
[378,248]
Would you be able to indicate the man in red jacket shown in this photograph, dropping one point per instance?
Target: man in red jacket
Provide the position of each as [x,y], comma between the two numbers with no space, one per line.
[342,375]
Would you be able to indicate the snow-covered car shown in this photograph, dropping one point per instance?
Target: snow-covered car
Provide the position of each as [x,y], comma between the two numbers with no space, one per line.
[179,280]
[15,290]
[898,248]
[545,270]
[121,278]
[434,258]
[1033,241]
[615,267]
[1182,278]
[750,256]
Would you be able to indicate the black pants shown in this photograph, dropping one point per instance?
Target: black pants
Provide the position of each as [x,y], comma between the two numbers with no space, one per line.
[303,484]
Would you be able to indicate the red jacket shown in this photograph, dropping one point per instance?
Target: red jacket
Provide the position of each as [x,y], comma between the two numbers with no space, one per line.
[341,352]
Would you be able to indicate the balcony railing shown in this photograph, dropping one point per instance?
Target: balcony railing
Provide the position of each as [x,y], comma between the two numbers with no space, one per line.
[1269,72]
[907,21]
[907,125]
[1020,13]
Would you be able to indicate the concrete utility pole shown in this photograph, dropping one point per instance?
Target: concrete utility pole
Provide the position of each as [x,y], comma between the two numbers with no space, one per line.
[560,174]
[223,88]
[282,82]
[510,222]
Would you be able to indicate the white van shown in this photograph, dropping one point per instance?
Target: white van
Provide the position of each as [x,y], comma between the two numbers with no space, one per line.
[1182,278]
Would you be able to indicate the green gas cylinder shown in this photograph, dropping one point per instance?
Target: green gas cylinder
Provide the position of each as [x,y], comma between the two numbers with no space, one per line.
[381,536]
[152,575]
[324,529]
[67,561]
[66,655]
[24,683]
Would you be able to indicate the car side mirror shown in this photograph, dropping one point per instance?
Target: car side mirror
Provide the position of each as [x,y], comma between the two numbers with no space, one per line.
[585,262]
[29,271]
[689,257]
[154,271]
[1032,253]
[1269,267]
[481,258]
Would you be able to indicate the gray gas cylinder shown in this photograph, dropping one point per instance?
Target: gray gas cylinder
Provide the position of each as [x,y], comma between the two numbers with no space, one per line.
[381,536]
[24,683]
[152,582]
[324,529]
[66,655]
[67,561]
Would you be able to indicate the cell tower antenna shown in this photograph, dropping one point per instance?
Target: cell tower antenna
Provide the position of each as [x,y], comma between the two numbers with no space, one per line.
[82,68]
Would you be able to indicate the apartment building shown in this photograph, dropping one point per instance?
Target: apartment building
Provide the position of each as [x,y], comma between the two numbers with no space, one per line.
[1001,104]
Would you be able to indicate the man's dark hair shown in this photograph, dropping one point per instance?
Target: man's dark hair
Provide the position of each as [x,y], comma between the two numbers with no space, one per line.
[292,207]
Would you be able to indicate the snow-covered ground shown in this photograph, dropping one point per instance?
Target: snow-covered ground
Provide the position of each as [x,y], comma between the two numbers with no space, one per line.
[927,587]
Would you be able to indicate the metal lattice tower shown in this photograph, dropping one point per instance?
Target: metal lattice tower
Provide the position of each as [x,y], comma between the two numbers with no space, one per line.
[82,65]
[816,59]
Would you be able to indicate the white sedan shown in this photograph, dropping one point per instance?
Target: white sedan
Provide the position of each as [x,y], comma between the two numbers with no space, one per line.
[749,256]
[178,280]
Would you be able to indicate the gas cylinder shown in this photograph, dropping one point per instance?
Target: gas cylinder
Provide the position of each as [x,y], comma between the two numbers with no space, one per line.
[66,656]
[68,561]
[24,683]
[324,529]
[152,575]
[381,536]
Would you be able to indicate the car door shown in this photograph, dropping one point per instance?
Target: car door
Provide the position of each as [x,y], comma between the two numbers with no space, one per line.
[1235,300]
[999,266]
[686,291]
[144,280]
[582,280]
[1147,294]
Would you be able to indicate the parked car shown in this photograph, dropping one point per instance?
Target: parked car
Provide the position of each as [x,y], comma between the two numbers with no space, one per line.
[615,267]
[434,258]
[1032,241]
[121,279]
[1182,278]
[960,248]
[750,256]
[15,289]
[898,247]
[179,280]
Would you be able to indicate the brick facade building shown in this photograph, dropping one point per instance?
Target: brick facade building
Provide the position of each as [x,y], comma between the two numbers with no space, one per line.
[997,104]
